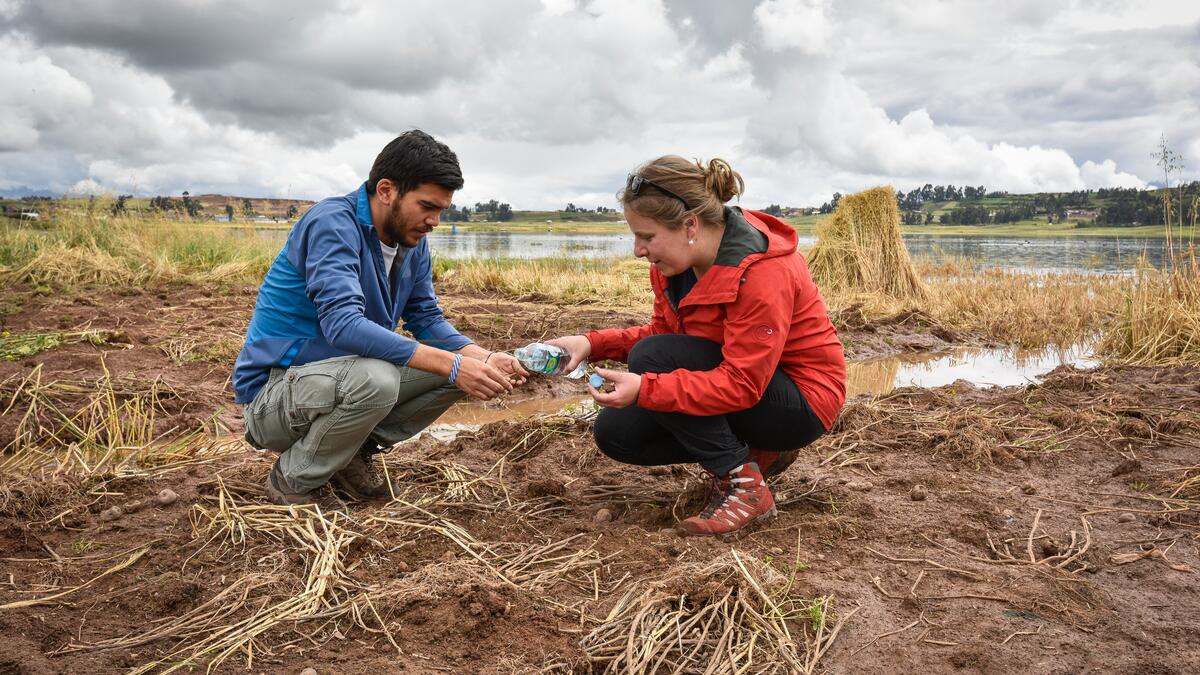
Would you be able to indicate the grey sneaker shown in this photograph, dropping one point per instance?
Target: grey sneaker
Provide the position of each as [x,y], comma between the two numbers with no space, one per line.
[363,479]
[279,493]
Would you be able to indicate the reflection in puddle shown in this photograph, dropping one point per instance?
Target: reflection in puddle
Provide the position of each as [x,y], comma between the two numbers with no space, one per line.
[984,367]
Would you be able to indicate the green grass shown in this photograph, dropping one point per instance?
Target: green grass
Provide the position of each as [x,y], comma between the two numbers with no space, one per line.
[22,345]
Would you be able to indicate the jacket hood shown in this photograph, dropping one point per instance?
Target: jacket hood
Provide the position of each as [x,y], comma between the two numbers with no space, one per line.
[781,237]
[749,236]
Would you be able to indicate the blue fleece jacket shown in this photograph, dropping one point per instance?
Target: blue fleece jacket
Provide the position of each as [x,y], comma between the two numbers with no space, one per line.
[327,295]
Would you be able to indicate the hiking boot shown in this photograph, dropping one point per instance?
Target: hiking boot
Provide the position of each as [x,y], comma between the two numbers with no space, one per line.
[363,479]
[748,500]
[279,493]
[773,462]
[719,485]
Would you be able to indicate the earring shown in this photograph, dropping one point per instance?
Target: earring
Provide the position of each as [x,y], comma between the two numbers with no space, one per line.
[691,242]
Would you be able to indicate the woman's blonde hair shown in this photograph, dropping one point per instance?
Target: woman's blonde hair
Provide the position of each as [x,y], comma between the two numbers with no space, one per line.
[672,189]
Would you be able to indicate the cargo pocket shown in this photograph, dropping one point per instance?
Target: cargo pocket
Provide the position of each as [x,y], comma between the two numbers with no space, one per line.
[310,395]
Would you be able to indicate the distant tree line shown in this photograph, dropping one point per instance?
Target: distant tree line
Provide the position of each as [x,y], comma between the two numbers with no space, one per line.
[1130,206]
[454,214]
[913,200]
[495,210]
[571,208]
[169,205]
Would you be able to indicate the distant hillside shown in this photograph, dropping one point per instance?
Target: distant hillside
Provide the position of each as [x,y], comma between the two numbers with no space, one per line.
[269,208]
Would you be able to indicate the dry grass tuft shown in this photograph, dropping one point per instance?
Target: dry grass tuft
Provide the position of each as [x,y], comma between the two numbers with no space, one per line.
[732,615]
[860,249]
[559,280]
[100,427]
[1158,322]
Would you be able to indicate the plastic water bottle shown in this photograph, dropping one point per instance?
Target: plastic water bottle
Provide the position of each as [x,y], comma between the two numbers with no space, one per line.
[547,359]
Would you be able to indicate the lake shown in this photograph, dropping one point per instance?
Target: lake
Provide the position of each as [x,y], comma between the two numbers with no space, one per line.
[1091,254]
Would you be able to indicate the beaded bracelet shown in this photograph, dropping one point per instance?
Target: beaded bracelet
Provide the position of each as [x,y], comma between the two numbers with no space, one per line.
[454,368]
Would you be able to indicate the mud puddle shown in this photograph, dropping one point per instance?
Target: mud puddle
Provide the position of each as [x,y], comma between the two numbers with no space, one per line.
[1003,367]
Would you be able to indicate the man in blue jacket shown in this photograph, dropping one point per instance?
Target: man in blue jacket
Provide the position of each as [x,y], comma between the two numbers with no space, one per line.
[324,377]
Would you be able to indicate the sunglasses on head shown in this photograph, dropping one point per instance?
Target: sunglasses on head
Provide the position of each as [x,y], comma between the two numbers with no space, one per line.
[635,182]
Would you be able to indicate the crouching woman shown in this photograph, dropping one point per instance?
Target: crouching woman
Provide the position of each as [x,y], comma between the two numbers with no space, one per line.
[739,367]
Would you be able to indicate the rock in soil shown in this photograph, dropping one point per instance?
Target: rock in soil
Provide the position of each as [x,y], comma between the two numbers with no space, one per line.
[1128,466]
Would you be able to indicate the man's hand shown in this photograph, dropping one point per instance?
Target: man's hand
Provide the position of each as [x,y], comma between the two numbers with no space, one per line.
[509,365]
[577,347]
[480,380]
[627,386]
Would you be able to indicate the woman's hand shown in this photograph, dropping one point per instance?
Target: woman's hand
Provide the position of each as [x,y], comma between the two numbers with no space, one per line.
[578,348]
[626,387]
[509,365]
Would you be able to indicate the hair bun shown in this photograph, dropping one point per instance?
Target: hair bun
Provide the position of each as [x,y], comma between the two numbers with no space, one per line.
[721,180]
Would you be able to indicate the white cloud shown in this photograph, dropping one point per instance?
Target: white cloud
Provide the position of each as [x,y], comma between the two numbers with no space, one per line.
[37,95]
[795,24]
[554,101]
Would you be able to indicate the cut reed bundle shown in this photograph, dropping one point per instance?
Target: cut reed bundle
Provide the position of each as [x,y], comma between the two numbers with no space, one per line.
[860,248]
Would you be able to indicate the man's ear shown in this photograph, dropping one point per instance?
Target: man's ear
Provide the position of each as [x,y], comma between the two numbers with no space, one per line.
[386,190]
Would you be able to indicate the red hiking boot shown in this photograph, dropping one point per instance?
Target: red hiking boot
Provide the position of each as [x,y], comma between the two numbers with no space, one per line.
[772,462]
[747,500]
[716,493]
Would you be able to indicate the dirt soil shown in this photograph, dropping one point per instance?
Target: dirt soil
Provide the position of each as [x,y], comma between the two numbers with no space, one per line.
[1050,528]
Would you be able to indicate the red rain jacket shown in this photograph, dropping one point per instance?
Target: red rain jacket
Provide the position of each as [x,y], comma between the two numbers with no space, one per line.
[759,302]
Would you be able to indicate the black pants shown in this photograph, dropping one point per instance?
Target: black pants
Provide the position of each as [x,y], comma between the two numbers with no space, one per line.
[782,420]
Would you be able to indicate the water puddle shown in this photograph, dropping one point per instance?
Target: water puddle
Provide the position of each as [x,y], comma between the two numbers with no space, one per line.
[1002,367]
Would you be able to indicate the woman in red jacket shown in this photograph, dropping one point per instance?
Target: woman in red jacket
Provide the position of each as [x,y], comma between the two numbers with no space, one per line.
[739,366]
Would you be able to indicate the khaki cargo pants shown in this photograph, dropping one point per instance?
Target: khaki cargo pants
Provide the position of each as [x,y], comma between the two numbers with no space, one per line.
[319,414]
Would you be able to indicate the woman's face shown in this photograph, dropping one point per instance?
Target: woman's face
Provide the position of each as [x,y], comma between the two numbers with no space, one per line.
[665,248]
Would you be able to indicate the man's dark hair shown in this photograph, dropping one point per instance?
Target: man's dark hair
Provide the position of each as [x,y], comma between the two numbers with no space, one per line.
[415,157]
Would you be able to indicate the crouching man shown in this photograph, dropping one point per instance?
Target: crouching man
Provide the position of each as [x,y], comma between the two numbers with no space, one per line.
[324,377]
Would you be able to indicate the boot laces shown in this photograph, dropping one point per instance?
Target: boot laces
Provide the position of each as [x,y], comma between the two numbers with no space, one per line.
[716,496]
[733,508]
[370,468]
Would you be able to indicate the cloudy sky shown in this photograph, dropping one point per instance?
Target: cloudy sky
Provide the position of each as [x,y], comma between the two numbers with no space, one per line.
[552,101]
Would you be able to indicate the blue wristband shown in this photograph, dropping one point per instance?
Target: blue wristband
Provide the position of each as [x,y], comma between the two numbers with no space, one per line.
[454,368]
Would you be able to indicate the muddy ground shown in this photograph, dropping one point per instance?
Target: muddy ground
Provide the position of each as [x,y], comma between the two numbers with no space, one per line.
[1050,528]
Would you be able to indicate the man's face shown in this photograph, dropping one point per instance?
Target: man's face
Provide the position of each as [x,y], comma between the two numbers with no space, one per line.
[414,214]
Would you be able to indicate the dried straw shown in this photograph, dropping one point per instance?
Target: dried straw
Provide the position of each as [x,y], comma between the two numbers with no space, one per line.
[860,249]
